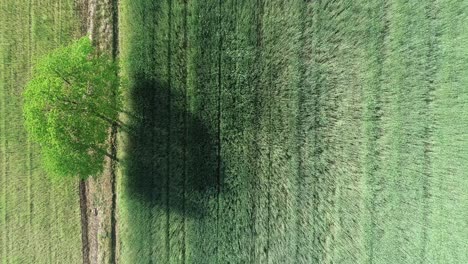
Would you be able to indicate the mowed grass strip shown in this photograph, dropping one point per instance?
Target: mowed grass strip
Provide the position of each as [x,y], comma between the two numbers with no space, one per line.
[40,219]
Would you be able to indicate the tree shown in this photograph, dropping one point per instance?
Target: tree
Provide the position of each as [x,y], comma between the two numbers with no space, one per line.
[70,104]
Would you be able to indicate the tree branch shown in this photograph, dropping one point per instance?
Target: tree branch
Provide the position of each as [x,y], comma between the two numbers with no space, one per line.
[61,77]
[91,111]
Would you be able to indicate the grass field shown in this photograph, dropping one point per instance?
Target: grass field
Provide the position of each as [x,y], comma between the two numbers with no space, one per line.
[39,220]
[257,132]
[294,132]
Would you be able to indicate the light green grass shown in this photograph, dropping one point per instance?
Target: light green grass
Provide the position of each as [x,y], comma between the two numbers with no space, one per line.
[40,220]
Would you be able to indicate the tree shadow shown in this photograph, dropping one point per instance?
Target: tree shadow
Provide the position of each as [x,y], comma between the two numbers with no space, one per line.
[171,155]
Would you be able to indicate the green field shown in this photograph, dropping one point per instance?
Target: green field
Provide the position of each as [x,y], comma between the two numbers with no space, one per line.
[39,219]
[294,132]
[258,132]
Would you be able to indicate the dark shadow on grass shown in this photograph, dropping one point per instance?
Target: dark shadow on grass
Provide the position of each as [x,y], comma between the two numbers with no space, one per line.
[170,154]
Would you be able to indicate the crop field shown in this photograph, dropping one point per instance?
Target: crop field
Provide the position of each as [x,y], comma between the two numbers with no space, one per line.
[39,219]
[327,131]
[294,132]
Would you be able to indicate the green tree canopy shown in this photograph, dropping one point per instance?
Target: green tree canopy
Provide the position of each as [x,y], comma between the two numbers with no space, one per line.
[69,106]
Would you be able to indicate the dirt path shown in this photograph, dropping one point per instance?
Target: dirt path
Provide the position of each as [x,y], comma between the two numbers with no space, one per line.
[98,195]
[84,221]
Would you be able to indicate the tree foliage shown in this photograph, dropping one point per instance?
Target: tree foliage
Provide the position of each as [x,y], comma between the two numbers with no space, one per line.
[69,106]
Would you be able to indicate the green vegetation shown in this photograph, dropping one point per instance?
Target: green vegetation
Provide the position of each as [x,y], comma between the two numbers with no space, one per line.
[256,132]
[39,220]
[70,104]
[294,132]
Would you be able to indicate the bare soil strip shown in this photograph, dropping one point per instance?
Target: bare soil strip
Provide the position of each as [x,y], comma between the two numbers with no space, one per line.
[84,221]
[113,163]
[98,194]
